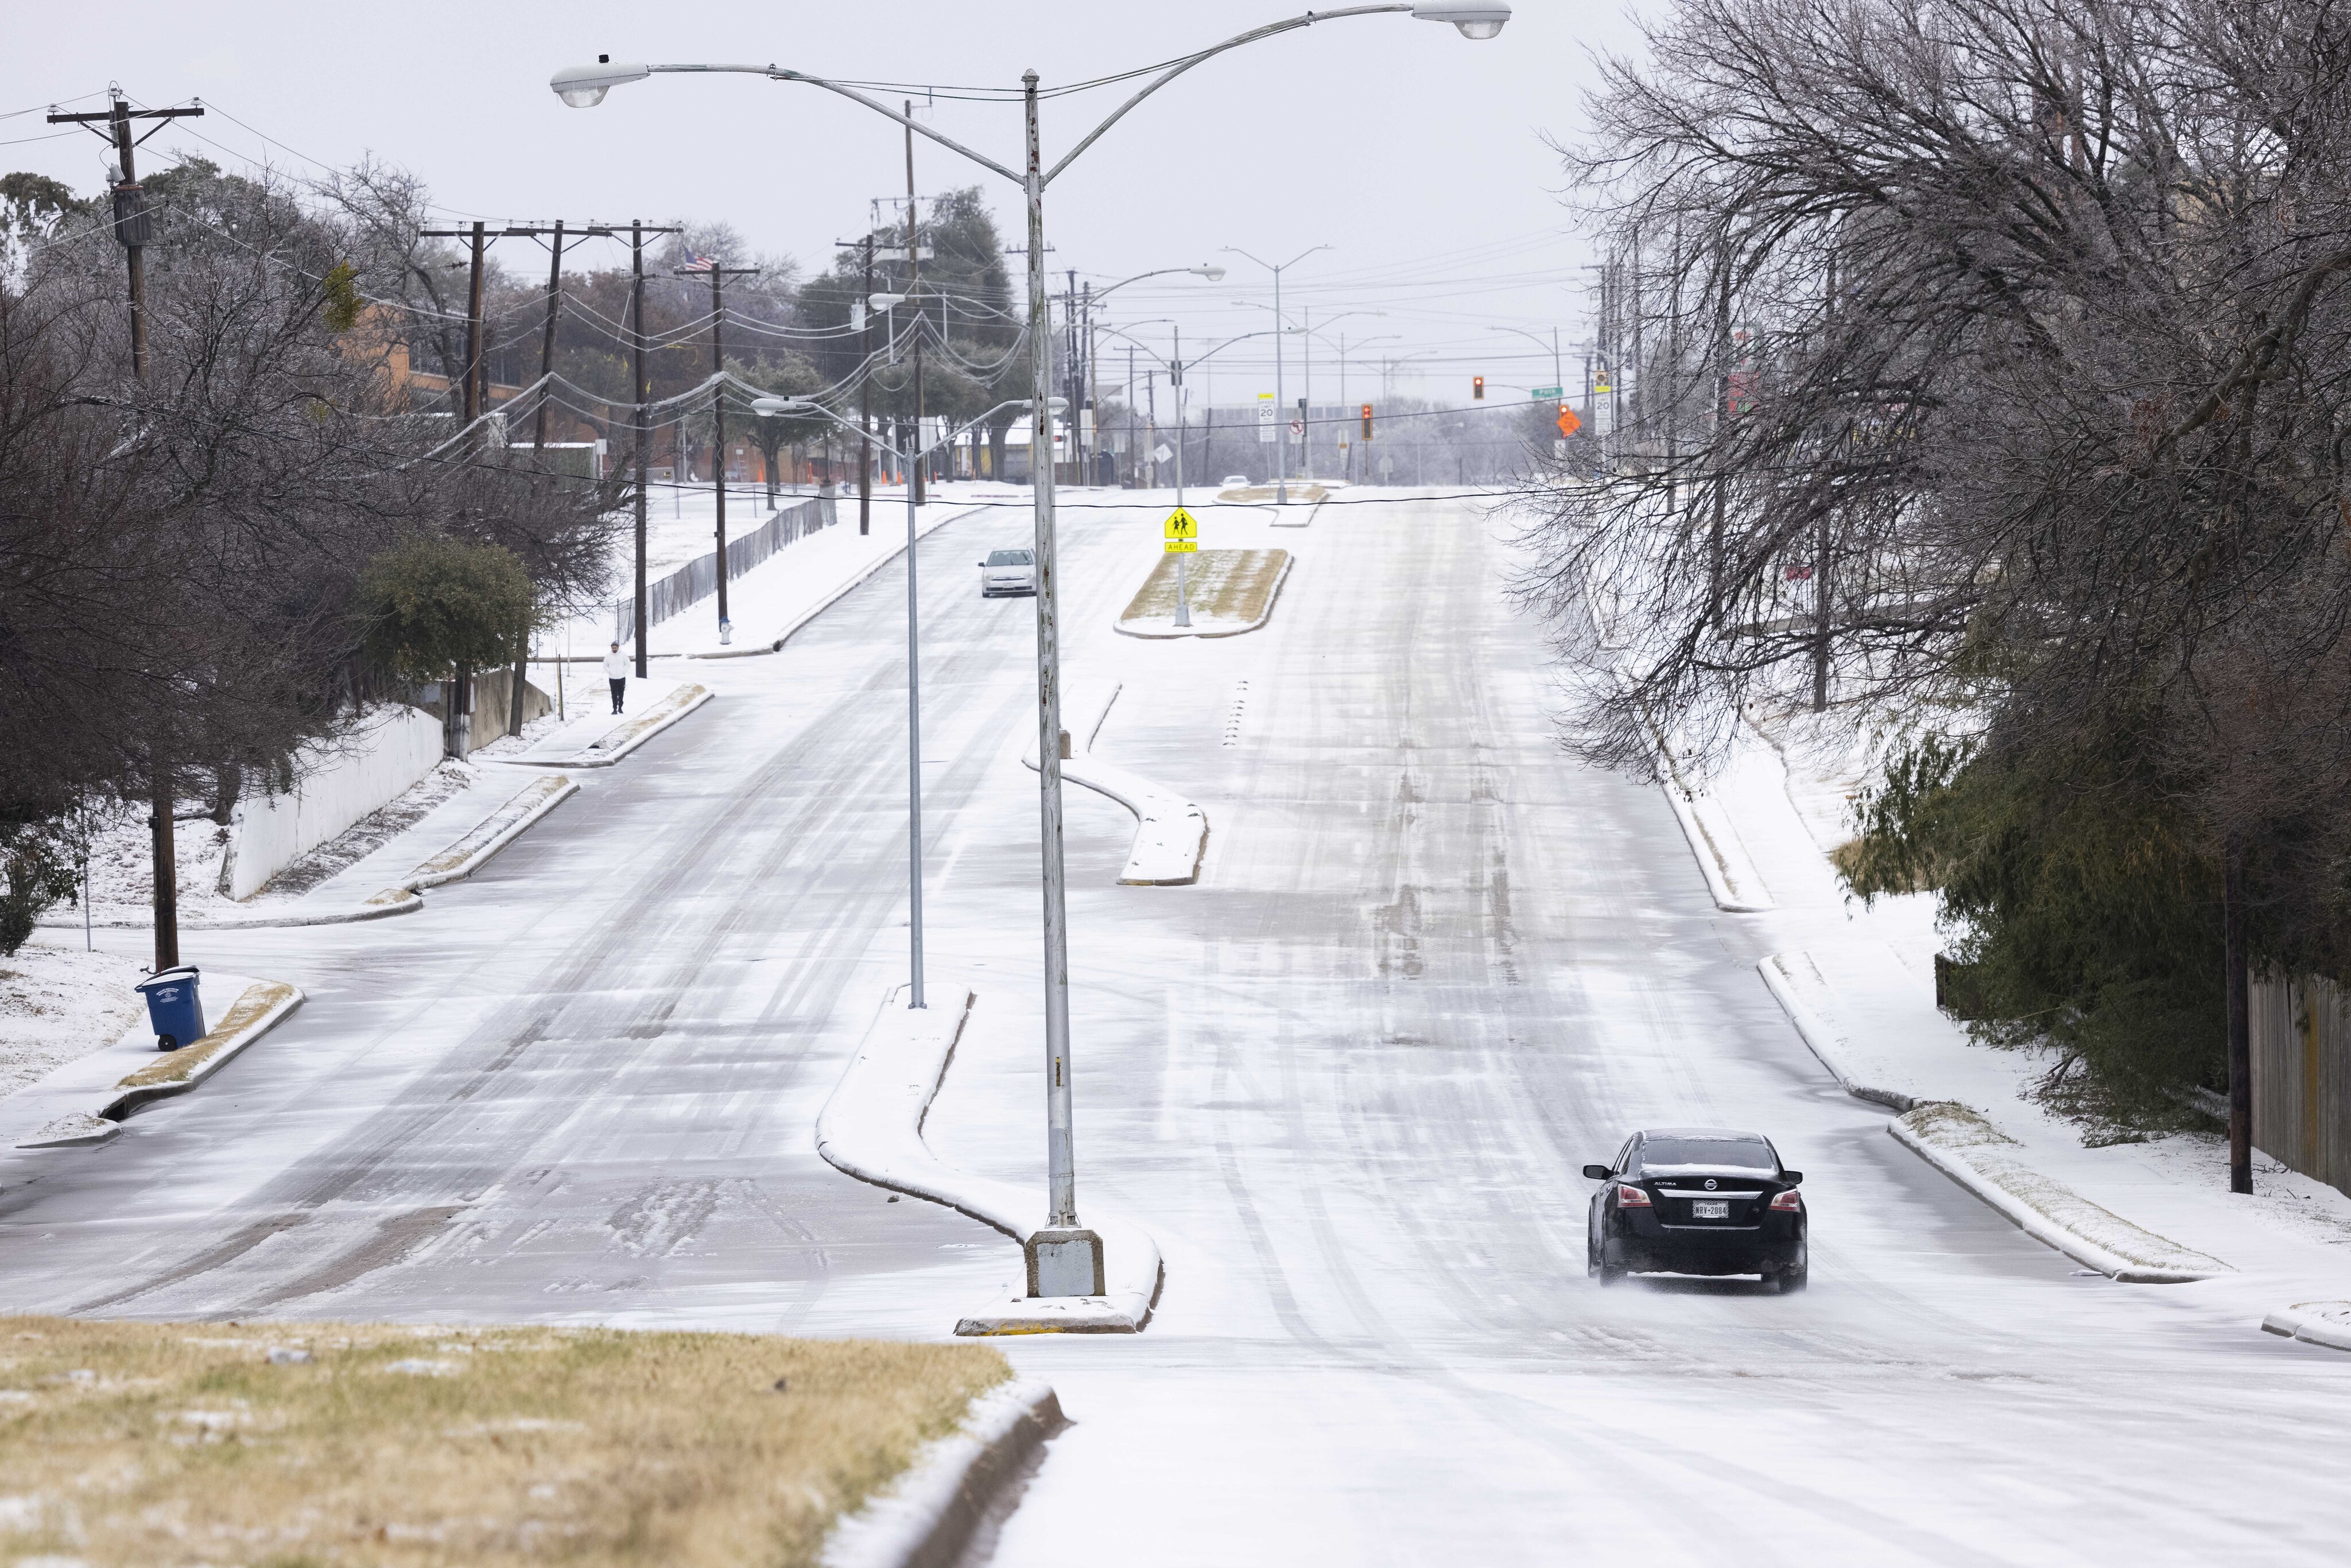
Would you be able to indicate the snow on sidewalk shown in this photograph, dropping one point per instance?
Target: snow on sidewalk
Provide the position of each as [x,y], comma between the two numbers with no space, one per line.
[1865,976]
[783,593]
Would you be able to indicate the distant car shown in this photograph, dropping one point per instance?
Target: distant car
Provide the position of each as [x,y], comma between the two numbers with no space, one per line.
[1230,480]
[1008,572]
[1696,1200]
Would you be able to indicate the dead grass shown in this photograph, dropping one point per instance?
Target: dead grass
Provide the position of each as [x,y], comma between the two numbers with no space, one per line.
[142,1443]
[1227,585]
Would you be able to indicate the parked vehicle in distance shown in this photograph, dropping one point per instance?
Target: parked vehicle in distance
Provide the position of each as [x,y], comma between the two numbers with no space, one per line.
[1230,480]
[1008,572]
[1697,1201]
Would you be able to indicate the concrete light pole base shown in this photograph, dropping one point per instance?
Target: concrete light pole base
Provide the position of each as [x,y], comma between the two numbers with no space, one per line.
[1064,1262]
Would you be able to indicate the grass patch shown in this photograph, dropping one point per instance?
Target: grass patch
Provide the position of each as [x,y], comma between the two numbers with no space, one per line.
[1231,585]
[127,1443]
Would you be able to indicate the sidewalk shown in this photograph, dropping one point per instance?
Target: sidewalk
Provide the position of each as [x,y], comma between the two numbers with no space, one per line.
[1865,976]
[780,594]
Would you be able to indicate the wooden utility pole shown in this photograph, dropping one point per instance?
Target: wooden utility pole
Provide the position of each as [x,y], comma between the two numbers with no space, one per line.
[474,396]
[132,227]
[546,337]
[865,400]
[719,413]
[914,303]
[644,436]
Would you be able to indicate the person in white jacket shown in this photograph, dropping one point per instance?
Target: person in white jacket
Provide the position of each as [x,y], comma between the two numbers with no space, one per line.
[616,670]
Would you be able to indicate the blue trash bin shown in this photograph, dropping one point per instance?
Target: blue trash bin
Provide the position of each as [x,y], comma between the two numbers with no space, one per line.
[174,1007]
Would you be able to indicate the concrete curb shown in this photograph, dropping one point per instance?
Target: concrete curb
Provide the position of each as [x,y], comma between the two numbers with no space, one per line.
[1964,1146]
[1313,511]
[1793,980]
[487,837]
[1732,879]
[872,1128]
[1273,598]
[927,1518]
[1170,833]
[759,650]
[253,1014]
[2313,1322]
[623,738]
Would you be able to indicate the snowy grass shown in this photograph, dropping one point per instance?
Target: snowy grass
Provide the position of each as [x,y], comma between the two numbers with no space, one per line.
[1230,587]
[58,1004]
[124,1443]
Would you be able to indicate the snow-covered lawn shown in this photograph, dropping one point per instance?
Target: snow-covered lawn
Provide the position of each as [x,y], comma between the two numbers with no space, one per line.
[58,1003]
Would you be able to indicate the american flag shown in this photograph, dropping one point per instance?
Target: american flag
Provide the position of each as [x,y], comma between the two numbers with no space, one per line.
[698,263]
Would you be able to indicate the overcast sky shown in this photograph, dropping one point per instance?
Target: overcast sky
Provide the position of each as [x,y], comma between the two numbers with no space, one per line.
[1418,156]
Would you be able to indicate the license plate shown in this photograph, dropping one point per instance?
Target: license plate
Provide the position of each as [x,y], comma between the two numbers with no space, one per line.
[1709,1208]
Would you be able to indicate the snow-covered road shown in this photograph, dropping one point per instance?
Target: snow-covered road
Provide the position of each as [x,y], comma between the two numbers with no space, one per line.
[1429,970]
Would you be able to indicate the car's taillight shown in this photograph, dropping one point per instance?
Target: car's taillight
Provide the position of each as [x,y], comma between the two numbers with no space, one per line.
[1632,1198]
[1789,1201]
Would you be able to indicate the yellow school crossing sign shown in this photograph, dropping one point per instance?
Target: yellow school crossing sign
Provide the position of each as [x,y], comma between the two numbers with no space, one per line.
[1183,532]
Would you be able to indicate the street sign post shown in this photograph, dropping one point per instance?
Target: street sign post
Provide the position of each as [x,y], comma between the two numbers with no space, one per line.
[1182,531]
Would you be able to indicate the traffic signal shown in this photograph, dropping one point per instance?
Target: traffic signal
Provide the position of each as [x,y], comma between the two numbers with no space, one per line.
[1367,422]
[1478,388]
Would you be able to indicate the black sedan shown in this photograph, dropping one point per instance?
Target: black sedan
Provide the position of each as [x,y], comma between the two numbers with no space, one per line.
[1697,1201]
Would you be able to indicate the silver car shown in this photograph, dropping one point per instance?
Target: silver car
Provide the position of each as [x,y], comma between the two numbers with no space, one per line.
[1008,572]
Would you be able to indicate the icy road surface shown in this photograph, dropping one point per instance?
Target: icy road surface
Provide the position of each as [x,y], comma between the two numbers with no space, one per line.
[1430,970]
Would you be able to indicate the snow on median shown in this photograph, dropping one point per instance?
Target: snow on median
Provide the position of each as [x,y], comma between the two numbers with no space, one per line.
[1170,833]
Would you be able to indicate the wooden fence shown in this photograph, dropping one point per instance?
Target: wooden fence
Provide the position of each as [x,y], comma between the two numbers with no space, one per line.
[2302,1075]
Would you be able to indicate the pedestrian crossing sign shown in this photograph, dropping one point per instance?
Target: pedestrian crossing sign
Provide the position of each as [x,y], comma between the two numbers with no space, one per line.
[1181,526]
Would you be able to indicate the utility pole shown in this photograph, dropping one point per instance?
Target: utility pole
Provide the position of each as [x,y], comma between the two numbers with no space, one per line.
[131,230]
[473,397]
[644,435]
[913,300]
[547,340]
[865,400]
[718,422]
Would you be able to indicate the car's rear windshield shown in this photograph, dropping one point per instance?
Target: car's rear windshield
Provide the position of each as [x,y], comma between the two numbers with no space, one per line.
[1746,1154]
[1010,558]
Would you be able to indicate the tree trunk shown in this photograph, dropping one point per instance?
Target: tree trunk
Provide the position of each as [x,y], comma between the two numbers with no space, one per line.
[2234,955]
[521,684]
[227,784]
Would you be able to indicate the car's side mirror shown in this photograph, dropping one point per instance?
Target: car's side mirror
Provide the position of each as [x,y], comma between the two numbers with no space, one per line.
[1792,1177]
[983,563]
[1597,1173]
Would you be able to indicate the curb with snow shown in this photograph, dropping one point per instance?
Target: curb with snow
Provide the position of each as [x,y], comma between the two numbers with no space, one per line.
[776,644]
[1961,1143]
[927,1516]
[1159,629]
[1731,876]
[1170,833]
[259,1005]
[2313,1322]
[872,1128]
[1964,1146]
[624,737]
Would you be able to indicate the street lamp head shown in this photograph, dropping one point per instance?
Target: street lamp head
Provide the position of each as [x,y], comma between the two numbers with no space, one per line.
[781,407]
[1476,19]
[884,301]
[1052,405]
[584,87]
[1212,272]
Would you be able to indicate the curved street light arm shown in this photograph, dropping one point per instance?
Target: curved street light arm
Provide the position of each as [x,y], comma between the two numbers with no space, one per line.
[1269,30]
[782,73]
[1101,294]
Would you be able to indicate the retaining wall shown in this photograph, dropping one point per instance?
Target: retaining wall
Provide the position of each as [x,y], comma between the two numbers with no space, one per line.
[380,760]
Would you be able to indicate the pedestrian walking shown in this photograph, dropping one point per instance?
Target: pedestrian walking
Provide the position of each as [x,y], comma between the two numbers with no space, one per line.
[616,670]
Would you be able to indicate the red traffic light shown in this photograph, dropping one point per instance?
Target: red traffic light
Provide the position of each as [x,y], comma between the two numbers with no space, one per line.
[1478,388]
[1367,422]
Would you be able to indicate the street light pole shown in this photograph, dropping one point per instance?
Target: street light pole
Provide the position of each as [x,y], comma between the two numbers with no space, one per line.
[1062,1258]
